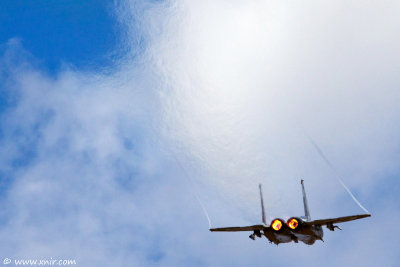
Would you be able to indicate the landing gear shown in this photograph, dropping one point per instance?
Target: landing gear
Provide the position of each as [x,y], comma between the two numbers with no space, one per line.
[254,234]
[332,227]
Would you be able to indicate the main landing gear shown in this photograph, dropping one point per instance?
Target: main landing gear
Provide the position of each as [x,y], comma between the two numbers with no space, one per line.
[332,227]
[256,233]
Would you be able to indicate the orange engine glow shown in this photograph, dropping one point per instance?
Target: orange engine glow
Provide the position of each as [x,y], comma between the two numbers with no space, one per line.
[293,223]
[276,224]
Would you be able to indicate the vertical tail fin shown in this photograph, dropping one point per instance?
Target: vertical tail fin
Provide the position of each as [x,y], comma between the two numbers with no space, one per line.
[262,205]
[306,210]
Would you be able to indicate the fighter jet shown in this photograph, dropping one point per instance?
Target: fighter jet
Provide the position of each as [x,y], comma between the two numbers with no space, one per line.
[295,229]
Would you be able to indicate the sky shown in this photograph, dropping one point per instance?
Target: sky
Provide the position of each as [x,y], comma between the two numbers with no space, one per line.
[120,120]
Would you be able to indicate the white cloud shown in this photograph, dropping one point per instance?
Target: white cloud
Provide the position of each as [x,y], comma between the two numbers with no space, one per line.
[250,81]
[230,89]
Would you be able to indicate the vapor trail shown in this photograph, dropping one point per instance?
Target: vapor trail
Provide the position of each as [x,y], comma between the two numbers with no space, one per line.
[196,194]
[336,174]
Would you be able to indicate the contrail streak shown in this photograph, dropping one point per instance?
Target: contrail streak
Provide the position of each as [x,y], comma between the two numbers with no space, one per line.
[336,174]
[196,194]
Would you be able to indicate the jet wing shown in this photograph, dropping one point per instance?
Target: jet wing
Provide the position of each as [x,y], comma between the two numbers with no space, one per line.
[337,220]
[240,228]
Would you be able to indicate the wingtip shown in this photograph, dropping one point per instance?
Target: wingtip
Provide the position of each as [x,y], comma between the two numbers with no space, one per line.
[366,215]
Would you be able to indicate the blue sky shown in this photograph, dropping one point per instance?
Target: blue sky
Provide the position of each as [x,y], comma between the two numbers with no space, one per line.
[81,33]
[114,113]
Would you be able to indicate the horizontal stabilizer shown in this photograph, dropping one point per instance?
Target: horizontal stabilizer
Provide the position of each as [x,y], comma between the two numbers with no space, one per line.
[337,220]
[240,228]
